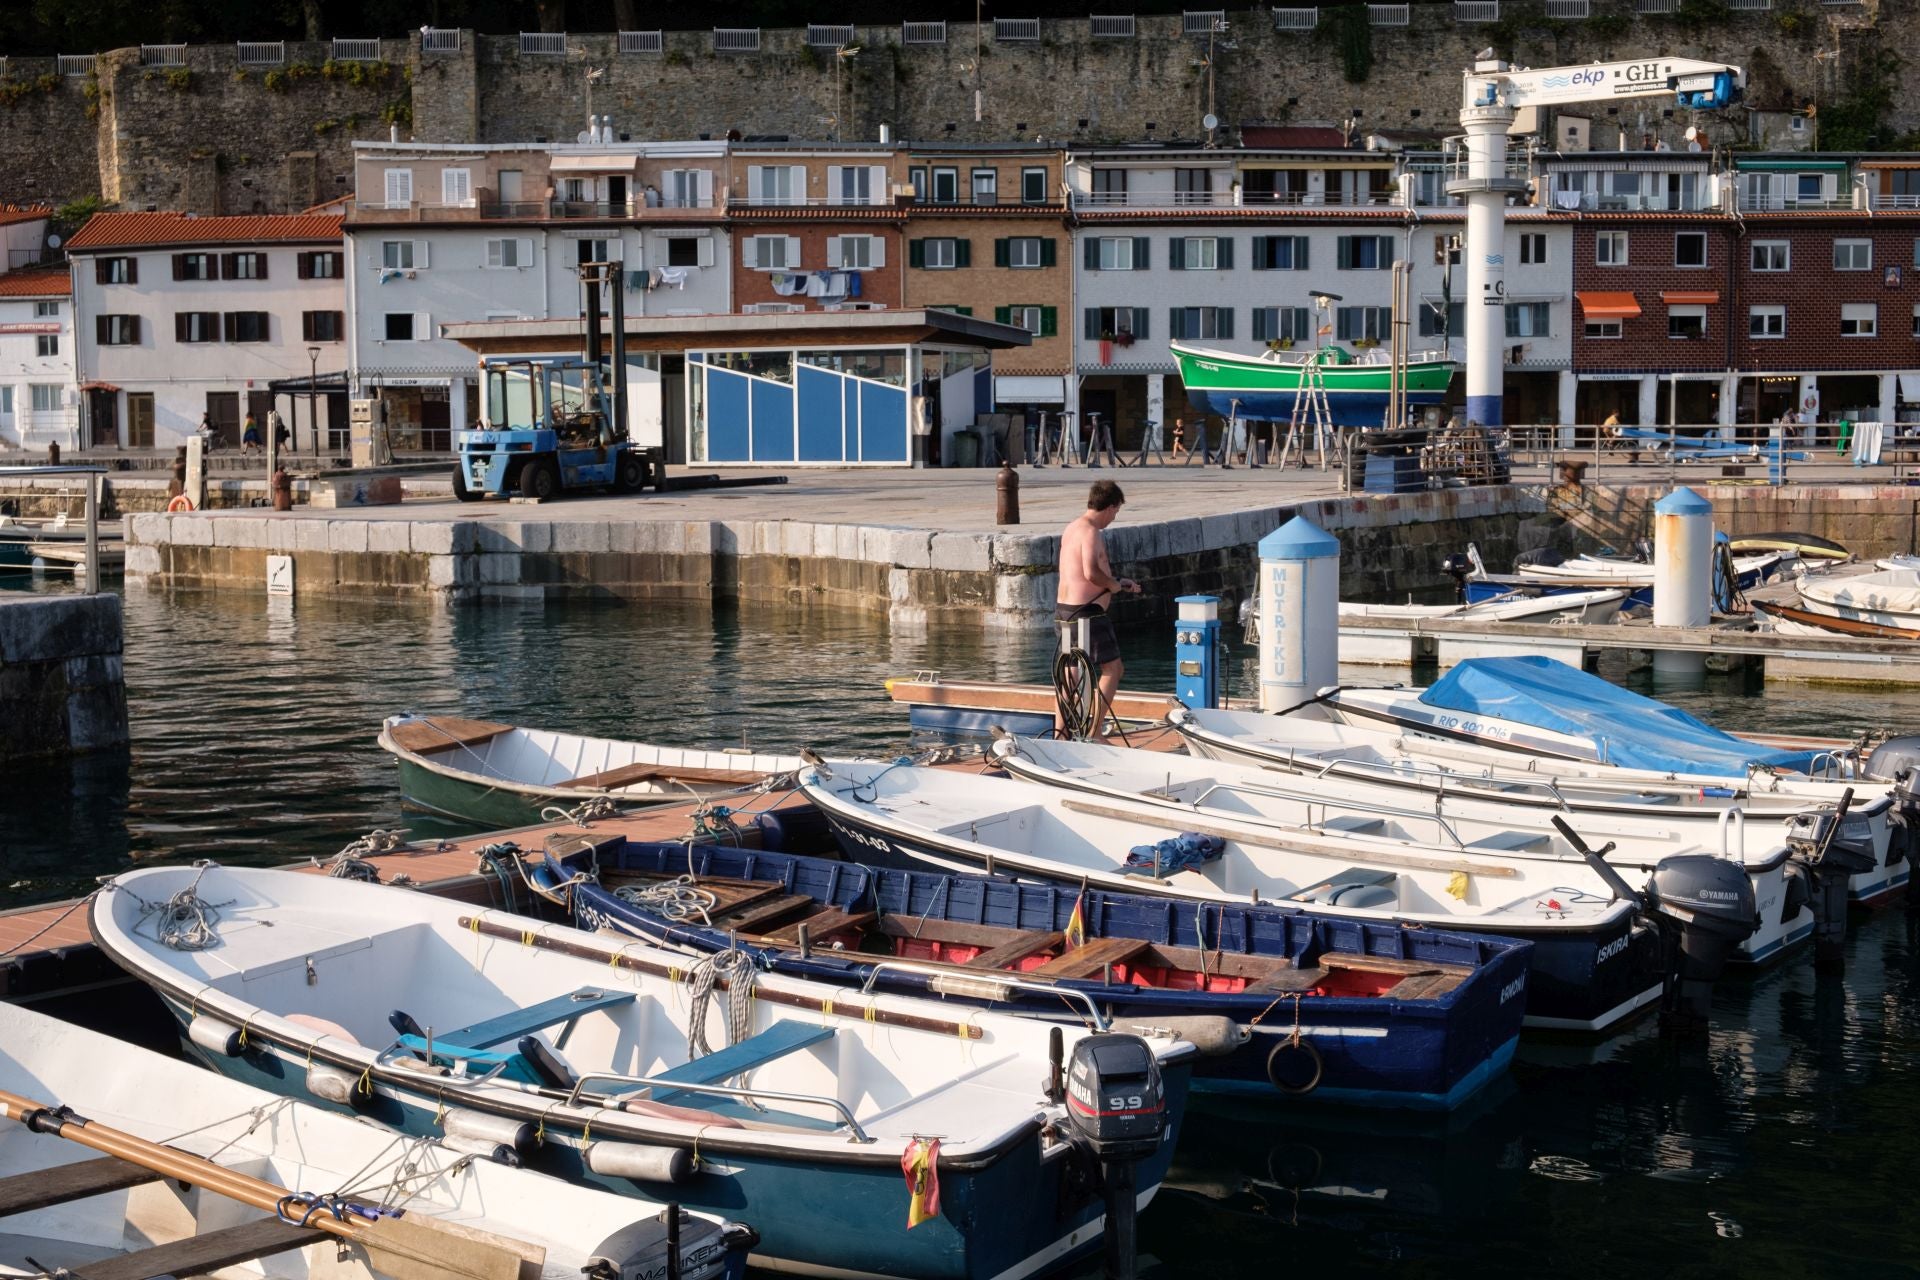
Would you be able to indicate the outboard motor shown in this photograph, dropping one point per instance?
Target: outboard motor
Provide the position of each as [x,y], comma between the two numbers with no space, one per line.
[1822,843]
[1459,568]
[1117,1107]
[1703,906]
[1894,757]
[1897,760]
[674,1245]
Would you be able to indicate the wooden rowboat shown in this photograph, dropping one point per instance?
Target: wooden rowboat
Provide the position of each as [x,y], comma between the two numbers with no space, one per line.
[502,775]
[1805,622]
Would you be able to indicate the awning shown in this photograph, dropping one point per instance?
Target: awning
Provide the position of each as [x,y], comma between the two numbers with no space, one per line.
[1782,164]
[1693,297]
[98,386]
[1608,306]
[1909,387]
[594,164]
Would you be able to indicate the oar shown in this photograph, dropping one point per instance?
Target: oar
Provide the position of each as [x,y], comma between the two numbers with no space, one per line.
[265,1196]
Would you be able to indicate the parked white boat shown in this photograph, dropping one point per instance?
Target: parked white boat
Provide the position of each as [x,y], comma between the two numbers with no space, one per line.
[62,1207]
[1887,598]
[1638,573]
[1462,824]
[590,1058]
[1572,607]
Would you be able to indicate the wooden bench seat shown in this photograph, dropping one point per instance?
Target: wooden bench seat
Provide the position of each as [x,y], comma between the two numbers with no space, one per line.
[777,1041]
[429,734]
[208,1251]
[44,1188]
[1091,960]
[1286,980]
[1012,953]
[832,920]
[632,775]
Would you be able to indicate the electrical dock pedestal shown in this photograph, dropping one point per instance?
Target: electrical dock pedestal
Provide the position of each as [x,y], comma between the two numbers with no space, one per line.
[1196,649]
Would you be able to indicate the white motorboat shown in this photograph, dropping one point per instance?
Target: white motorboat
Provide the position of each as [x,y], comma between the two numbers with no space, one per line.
[1887,598]
[1600,606]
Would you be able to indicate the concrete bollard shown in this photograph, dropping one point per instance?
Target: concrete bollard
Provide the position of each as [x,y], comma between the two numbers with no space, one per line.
[1682,576]
[1299,613]
[1006,487]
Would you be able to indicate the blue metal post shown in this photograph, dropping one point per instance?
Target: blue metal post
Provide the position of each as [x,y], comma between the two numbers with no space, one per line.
[1196,645]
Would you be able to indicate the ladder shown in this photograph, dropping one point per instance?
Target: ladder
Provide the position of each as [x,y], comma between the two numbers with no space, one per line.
[1311,415]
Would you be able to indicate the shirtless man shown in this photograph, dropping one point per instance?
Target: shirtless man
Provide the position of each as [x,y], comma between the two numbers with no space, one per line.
[1087,584]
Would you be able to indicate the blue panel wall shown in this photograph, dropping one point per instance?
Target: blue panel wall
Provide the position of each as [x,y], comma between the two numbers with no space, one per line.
[772,421]
[726,416]
[883,423]
[820,413]
[850,425]
[983,390]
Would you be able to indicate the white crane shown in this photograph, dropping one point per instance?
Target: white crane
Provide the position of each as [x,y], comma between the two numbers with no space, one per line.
[1494,92]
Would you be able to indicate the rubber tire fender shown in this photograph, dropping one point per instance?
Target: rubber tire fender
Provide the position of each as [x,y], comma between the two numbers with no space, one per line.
[1290,1046]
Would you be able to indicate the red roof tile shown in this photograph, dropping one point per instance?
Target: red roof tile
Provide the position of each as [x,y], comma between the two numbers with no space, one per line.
[12,213]
[152,230]
[40,282]
[1293,137]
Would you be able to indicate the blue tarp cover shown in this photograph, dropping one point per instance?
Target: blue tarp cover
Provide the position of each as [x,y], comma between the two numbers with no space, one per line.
[1626,729]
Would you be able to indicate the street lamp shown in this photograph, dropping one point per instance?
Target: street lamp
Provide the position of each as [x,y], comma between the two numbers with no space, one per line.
[313,414]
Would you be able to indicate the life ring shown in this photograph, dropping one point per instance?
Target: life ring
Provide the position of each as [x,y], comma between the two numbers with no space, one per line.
[1811,402]
[180,502]
[1290,1082]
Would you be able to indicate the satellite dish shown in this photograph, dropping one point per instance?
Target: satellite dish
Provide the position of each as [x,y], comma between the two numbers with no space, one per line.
[53,240]
[1209,121]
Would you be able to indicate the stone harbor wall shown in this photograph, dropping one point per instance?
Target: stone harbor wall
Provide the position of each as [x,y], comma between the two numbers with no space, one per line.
[61,688]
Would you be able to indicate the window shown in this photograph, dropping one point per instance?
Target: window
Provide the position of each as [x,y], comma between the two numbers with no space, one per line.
[1689,248]
[116,271]
[196,266]
[1527,320]
[1533,250]
[323,265]
[1109,186]
[321,326]
[1109,322]
[456,186]
[1853,255]
[940,253]
[1916,319]
[510,253]
[1771,255]
[598,249]
[574,190]
[1364,253]
[1041,322]
[1199,253]
[854,184]
[245,266]
[46,397]
[399,187]
[986,186]
[1431,320]
[1200,322]
[1859,319]
[1279,253]
[771,253]
[1808,189]
[6,402]
[776,184]
[396,255]
[46,310]
[246,326]
[946,186]
[1024,252]
[1033,186]
[1686,320]
[917,176]
[686,188]
[856,253]
[399,326]
[1192,186]
[117,331]
[1610,249]
[943,306]
[683,252]
[1281,324]
[196,326]
[46,344]
[1354,324]
[1766,322]
[1117,253]
[1602,329]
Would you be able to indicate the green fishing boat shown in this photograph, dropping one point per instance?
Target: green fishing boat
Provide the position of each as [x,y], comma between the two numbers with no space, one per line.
[1264,387]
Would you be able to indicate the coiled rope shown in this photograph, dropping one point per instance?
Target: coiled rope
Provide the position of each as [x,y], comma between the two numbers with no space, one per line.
[186,921]
[583,814]
[736,967]
[679,900]
[500,860]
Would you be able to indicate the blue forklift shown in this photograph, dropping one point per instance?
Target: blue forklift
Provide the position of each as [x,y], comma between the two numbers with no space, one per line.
[558,423]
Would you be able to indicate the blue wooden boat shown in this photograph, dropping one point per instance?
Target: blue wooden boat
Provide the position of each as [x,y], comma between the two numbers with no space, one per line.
[1285,1002]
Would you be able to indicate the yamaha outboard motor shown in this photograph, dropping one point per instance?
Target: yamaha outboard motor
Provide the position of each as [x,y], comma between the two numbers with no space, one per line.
[673,1245]
[1897,760]
[1117,1106]
[1833,851]
[1459,568]
[1704,908]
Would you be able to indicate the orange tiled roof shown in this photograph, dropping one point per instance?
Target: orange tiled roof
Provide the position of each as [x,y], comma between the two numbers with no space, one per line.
[154,230]
[38,282]
[12,213]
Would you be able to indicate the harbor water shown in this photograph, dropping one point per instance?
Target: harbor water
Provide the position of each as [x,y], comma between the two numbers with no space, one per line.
[1782,1145]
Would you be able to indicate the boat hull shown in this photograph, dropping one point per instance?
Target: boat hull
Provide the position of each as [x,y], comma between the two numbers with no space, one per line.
[1265,390]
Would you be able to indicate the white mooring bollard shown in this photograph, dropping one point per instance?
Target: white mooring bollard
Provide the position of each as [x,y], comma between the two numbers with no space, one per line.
[1682,576]
[1299,613]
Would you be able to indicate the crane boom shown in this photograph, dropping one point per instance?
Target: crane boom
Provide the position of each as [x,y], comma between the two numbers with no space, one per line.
[1703,85]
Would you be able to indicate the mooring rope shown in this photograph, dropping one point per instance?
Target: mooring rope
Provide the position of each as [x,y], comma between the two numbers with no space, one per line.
[185,921]
[679,900]
[736,966]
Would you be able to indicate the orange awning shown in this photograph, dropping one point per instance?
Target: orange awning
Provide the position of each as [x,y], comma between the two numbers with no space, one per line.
[1608,306]
[1695,297]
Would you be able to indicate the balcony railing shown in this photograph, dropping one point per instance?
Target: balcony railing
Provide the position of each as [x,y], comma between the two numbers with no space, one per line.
[1569,10]
[1114,27]
[750,201]
[440,40]
[1656,6]
[543,44]
[1016,30]
[163,55]
[1225,199]
[1750,4]
[1896,200]
[1468,12]
[263,53]
[346,49]
[829,35]
[923,33]
[736,39]
[1295,19]
[1198,22]
[643,42]
[74,64]
[1389,15]
[1756,203]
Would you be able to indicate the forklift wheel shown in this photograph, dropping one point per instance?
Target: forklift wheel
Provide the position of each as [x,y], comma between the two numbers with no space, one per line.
[540,478]
[632,474]
[460,489]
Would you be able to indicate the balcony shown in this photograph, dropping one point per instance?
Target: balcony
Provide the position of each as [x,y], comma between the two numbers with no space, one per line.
[751,202]
[1896,200]
[1235,198]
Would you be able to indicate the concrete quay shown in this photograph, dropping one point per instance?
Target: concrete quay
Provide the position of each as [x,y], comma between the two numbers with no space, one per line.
[62,691]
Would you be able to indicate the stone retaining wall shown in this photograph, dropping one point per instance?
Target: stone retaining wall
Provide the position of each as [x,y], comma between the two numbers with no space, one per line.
[61,687]
[1871,520]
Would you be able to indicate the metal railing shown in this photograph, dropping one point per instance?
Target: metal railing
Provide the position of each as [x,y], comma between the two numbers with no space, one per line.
[1389,15]
[1295,19]
[829,35]
[923,33]
[543,44]
[1476,11]
[163,55]
[1569,10]
[643,42]
[513,208]
[736,39]
[1749,5]
[1895,200]
[263,53]
[440,40]
[350,49]
[1112,26]
[1198,22]
[74,64]
[1016,30]
[1656,6]
[91,509]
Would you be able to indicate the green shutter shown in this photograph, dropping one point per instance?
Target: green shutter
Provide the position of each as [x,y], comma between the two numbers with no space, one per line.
[963,253]
[1003,315]
[1176,253]
[1343,258]
[916,253]
[1176,323]
[1141,253]
[1049,319]
[1091,316]
[1140,323]
[1299,253]
[1092,255]
[1000,257]
[1223,249]
[1223,322]
[1046,252]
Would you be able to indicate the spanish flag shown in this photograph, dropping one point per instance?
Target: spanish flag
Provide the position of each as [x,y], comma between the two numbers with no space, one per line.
[1077,923]
[921,1164]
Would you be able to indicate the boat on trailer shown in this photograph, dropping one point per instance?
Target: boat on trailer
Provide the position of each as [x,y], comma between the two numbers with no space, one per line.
[505,776]
[607,1062]
[1370,1013]
[181,1136]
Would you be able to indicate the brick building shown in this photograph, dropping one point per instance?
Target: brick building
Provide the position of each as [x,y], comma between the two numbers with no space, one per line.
[816,226]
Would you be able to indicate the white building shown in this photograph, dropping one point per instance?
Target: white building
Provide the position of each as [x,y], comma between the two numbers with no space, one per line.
[177,317]
[440,234]
[37,397]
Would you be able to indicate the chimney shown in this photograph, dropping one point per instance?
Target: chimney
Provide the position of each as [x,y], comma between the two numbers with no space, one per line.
[886,134]
[393,133]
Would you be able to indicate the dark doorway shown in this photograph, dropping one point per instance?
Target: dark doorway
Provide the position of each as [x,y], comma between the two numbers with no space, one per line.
[223,409]
[103,419]
[339,428]
[434,417]
[617,195]
[673,408]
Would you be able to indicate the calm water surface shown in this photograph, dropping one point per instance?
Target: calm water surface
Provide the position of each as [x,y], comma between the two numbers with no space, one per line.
[1784,1145]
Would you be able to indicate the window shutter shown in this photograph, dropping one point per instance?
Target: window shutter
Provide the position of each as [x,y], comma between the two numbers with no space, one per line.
[1299,253]
[877,185]
[179,266]
[793,253]
[1176,322]
[1223,253]
[227,326]
[1140,322]
[179,326]
[916,253]
[133,330]
[1001,254]
[1141,255]
[963,253]
[703,256]
[133,271]
[1003,315]
[228,269]
[100,329]
[1176,253]
[420,254]
[1261,329]
[1092,318]
[307,325]
[1046,251]
[703,187]
[1383,253]
[749,251]
[1262,253]
[1049,320]
[524,255]
[100,271]
[833,253]
[1223,322]
[422,326]
[880,252]
[834,187]
[1343,259]
[261,262]
[1093,258]
[303,265]
[797,175]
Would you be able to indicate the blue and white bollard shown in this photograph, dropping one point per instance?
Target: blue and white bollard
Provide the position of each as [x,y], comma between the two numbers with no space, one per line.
[1682,575]
[1299,613]
[1196,646]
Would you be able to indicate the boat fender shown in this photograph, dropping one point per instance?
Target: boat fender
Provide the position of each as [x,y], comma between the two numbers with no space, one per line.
[643,1248]
[1213,1035]
[1295,1066]
[478,1126]
[639,1161]
[215,1036]
[331,1084]
[497,1152]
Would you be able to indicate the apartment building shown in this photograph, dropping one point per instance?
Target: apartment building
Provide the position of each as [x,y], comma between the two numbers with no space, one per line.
[38,400]
[817,226]
[176,316]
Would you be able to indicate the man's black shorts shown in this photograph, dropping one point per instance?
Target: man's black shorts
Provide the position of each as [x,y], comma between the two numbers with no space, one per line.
[1102,645]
